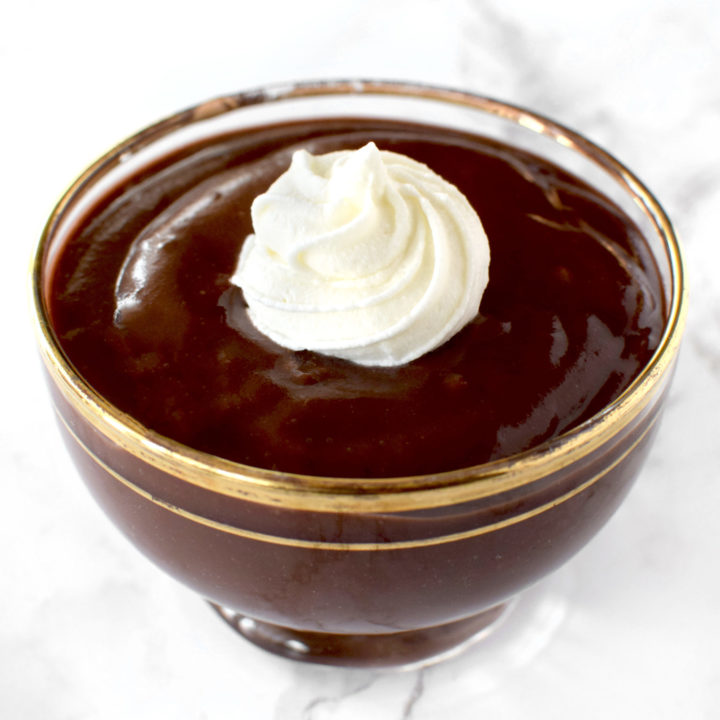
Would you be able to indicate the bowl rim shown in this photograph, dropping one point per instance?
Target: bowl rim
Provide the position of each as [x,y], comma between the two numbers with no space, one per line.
[265,486]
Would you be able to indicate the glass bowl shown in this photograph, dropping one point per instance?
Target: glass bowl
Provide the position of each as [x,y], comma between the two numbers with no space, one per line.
[369,572]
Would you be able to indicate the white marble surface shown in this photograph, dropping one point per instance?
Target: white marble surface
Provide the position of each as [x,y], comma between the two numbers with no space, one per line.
[629,629]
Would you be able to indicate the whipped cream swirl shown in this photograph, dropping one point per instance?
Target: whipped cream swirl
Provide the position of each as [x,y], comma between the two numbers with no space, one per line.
[365,255]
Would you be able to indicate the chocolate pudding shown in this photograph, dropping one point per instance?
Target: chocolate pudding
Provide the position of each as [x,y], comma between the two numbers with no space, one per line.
[572,312]
[137,287]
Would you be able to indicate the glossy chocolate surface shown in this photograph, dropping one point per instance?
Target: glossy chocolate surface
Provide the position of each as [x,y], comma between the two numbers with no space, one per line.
[572,313]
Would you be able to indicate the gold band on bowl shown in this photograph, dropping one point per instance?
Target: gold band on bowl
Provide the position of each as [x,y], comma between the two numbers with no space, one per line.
[359,546]
[373,494]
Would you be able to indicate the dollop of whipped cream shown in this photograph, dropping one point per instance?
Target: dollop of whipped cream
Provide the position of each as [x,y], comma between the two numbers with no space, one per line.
[365,255]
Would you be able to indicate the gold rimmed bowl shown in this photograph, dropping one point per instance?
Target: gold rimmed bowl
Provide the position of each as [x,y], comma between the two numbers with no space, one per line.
[372,572]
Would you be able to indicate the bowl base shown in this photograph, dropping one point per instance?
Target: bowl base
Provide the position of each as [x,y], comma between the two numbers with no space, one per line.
[407,648]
